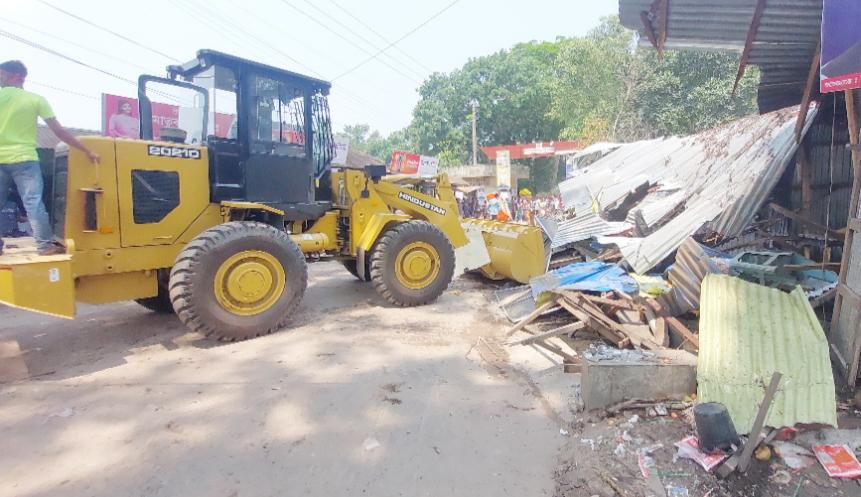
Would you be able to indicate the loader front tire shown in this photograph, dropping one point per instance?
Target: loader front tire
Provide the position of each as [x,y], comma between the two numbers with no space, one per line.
[412,264]
[238,280]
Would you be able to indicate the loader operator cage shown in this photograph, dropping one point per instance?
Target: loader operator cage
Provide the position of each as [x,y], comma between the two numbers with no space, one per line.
[275,123]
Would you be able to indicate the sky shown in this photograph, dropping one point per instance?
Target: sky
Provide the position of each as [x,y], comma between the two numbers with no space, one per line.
[328,39]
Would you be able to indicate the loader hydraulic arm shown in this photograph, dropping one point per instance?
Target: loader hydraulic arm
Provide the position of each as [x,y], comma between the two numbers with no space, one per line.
[441,212]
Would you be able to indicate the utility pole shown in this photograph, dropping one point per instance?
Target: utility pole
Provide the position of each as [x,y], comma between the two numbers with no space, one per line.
[474,132]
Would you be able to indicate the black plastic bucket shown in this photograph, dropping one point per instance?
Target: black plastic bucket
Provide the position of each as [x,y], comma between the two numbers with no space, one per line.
[714,427]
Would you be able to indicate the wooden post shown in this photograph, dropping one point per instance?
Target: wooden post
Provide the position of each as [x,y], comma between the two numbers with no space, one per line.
[812,78]
[840,301]
[806,177]
[748,44]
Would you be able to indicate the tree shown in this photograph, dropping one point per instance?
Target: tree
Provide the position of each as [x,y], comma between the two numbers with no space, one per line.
[592,88]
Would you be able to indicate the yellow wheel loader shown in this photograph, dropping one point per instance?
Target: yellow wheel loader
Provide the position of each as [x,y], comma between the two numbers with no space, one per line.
[214,212]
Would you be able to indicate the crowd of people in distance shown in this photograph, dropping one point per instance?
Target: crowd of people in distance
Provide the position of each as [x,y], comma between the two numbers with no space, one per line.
[503,206]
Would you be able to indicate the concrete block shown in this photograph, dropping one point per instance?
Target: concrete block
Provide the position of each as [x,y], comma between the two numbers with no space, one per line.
[656,375]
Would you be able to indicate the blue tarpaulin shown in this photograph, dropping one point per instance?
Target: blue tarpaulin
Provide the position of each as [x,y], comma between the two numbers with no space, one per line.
[584,276]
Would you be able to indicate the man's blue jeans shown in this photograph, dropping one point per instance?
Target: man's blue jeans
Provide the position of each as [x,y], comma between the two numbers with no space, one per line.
[28,177]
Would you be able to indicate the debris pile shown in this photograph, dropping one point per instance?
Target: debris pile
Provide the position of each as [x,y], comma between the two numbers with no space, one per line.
[676,282]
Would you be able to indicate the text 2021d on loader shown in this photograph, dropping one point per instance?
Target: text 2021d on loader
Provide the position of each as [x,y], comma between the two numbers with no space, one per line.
[215,213]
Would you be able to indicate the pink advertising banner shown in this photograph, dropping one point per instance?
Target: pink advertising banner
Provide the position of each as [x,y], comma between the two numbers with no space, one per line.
[120,118]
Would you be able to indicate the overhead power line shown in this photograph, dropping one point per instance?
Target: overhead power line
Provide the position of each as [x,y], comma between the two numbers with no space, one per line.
[380,36]
[64,90]
[361,37]
[351,42]
[402,38]
[62,56]
[70,42]
[102,28]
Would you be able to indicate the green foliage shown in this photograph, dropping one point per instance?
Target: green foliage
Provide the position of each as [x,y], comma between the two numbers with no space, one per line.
[593,88]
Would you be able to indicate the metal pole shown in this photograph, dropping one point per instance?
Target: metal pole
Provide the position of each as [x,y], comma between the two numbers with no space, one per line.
[474,133]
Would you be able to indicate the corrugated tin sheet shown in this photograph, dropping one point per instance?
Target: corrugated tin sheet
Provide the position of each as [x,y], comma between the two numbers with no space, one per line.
[783,47]
[583,228]
[693,263]
[749,331]
[726,173]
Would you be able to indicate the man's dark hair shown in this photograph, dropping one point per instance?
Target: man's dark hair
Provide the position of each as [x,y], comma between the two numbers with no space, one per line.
[14,67]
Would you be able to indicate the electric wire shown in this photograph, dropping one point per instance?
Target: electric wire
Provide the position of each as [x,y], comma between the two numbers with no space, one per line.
[380,36]
[402,38]
[353,44]
[75,44]
[102,28]
[363,38]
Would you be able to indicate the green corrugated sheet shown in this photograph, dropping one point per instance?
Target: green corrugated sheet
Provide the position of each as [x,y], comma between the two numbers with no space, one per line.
[749,331]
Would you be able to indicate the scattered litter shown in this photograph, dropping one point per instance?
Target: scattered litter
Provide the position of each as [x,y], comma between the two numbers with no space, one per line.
[588,441]
[620,450]
[563,432]
[838,461]
[661,410]
[763,453]
[781,477]
[689,449]
[65,413]
[634,419]
[677,491]
[40,335]
[370,444]
[794,456]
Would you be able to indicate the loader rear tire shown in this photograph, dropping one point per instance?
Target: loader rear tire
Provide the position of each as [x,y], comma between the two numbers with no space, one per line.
[161,303]
[352,267]
[412,264]
[238,280]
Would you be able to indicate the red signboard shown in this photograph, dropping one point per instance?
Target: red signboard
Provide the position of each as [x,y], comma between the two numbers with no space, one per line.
[841,46]
[120,118]
[534,150]
[404,163]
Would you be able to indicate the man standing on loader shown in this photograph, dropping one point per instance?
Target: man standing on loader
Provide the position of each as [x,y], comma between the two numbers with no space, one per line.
[19,110]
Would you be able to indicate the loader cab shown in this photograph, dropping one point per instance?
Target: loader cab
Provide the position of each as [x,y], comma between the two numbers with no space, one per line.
[267,130]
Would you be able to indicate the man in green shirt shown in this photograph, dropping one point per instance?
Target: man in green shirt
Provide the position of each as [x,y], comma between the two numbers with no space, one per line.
[19,110]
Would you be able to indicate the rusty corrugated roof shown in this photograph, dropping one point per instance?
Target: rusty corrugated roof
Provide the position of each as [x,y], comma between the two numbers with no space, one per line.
[749,331]
[783,48]
[726,174]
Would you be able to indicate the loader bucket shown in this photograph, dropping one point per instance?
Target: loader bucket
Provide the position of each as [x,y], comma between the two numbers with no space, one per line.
[516,250]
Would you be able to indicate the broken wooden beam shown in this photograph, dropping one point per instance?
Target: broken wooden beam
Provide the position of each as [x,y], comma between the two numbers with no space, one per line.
[758,422]
[530,318]
[562,330]
[677,326]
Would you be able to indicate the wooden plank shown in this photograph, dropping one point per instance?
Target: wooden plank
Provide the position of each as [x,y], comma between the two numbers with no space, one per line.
[805,221]
[748,44]
[683,330]
[567,329]
[570,359]
[807,96]
[625,331]
[621,304]
[758,422]
[530,318]
[594,324]
[848,294]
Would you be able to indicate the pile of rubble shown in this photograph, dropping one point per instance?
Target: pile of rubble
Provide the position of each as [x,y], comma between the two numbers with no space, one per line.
[666,289]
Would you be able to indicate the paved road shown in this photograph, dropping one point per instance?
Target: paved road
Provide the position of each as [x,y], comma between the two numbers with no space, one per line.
[355,399]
